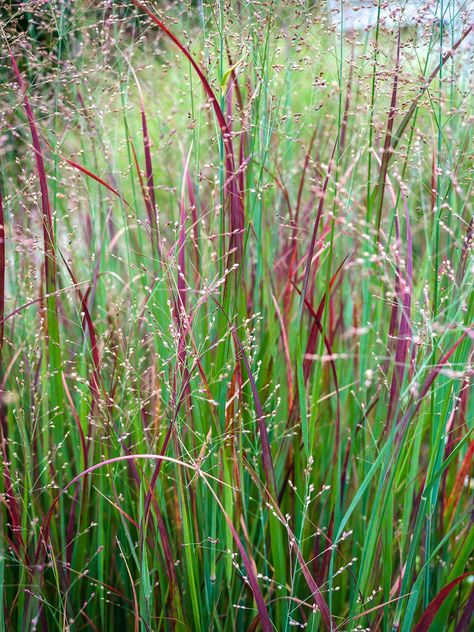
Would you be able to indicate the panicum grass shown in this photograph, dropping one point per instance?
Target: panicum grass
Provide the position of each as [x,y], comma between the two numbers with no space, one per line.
[236,315]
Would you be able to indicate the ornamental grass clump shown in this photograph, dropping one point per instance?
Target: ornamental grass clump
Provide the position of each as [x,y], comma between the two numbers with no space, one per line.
[236,316]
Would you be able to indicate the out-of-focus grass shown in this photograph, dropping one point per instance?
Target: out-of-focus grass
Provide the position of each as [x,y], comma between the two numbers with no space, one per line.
[240,395]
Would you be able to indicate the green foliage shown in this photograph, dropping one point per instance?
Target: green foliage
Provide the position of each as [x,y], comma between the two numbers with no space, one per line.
[237,309]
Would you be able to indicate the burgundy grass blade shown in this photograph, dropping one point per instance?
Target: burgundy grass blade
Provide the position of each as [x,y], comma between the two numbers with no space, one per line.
[155,239]
[465,621]
[182,239]
[77,420]
[195,218]
[96,379]
[426,387]
[151,198]
[235,196]
[291,254]
[249,567]
[50,257]
[388,140]
[315,230]
[148,161]
[327,344]
[459,483]
[313,586]
[286,351]
[315,330]
[404,333]
[95,177]
[252,578]
[266,450]
[317,316]
[2,282]
[435,604]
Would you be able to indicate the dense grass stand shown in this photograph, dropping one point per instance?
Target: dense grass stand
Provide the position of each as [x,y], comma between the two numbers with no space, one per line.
[236,315]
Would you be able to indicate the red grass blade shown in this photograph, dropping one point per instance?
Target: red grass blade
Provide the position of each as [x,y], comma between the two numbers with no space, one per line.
[316,329]
[455,495]
[95,177]
[405,289]
[235,196]
[327,344]
[266,450]
[182,238]
[426,387]
[96,380]
[380,188]
[50,258]
[194,215]
[435,604]
[313,586]
[2,281]
[465,621]
[150,200]
[155,238]
[77,420]
[286,350]
[315,230]
[249,567]
[252,578]
[50,262]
